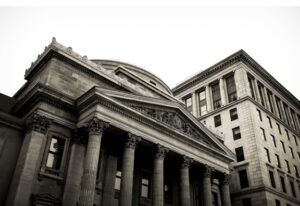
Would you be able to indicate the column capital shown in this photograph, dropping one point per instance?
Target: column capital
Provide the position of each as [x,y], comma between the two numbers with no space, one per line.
[161,152]
[78,137]
[186,162]
[38,123]
[132,140]
[96,125]
[226,179]
[208,170]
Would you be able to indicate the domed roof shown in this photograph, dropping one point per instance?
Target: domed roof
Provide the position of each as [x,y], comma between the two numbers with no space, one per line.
[141,73]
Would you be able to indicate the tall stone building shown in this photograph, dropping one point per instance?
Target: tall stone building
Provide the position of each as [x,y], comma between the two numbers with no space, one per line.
[98,132]
[258,119]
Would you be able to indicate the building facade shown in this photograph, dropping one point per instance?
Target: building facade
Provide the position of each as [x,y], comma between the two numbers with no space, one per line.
[99,132]
[258,119]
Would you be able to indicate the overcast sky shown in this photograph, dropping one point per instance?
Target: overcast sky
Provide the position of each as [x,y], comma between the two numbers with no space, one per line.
[173,42]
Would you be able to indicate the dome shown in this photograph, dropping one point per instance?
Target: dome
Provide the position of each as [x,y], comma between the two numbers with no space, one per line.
[141,73]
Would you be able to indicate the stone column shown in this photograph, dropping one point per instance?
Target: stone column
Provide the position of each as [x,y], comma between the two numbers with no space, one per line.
[75,169]
[258,99]
[225,193]
[208,98]
[195,105]
[222,91]
[96,129]
[158,176]
[185,196]
[127,170]
[30,157]
[207,197]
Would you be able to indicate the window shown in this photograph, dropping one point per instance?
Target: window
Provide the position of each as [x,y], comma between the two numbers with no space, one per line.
[118,180]
[259,114]
[198,195]
[278,161]
[277,203]
[168,198]
[299,157]
[217,120]
[287,134]
[282,184]
[239,154]
[215,199]
[55,155]
[296,171]
[189,104]
[283,147]
[287,166]
[272,180]
[286,112]
[274,140]
[145,186]
[243,179]
[216,96]
[251,85]
[231,89]
[202,103]
[270,99]
[233,114]
[295,139]
[293,188]
[270,121]
[293,119]
[267,155]
[263,134]
[236,133]
[292,153]
[246,202]
[261,93]
[279,129]
[278,105]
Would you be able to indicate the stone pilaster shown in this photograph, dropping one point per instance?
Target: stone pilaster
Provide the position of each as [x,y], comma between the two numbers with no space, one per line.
[29,160]
[127,169]
[225,193]
[158,176]
[185,195]
[208,98]
[207,194]
[195,105]
[75,169]
[96,129]
[222,91]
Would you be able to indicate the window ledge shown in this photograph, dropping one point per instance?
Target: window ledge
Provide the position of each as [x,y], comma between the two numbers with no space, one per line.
[241,164]
[42,175]
[270,166]
[280,171]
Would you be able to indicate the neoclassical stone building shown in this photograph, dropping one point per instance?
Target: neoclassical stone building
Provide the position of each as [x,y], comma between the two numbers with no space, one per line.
[99,132]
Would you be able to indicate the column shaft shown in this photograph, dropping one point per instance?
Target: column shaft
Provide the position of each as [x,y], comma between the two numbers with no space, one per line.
[185,195]
[208,98]
[195,106]
[222,91]
[207,198]
[225,193]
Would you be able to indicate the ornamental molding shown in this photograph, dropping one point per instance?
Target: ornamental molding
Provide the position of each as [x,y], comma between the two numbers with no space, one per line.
[132,140]
[208,170]
[38,123]
[161,152]
[186,162]
[226,179]
[96,126]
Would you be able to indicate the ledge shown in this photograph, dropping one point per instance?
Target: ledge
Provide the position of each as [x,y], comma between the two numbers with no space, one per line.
[241,164]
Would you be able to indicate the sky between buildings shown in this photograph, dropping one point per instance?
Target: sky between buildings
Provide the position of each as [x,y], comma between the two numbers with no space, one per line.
[173,42]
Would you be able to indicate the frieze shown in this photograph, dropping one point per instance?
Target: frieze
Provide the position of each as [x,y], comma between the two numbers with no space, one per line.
[37,123]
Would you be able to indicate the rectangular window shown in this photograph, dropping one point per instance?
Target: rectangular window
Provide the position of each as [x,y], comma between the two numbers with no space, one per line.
[292,153]
[268,155]
[296,171]
[243,179]
[272,180]
[287,134]
[274,140]
[293,188]
[270,99]
[168,197]
[217,120]
[283,147]
[287,166]
[216,96]
[282,184]
[259,114]
[278,127]
[246,202]
[286,112]
[251,85]
[263,134]
[202,103]
[118,180]
[295,139]
[236,133]
[233,114]
[270,121]
[278,161]
[189,104]
[261,93]
[278,105]
[239,154]
[231,89]
[145,186]
[293,119]
[277,203]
